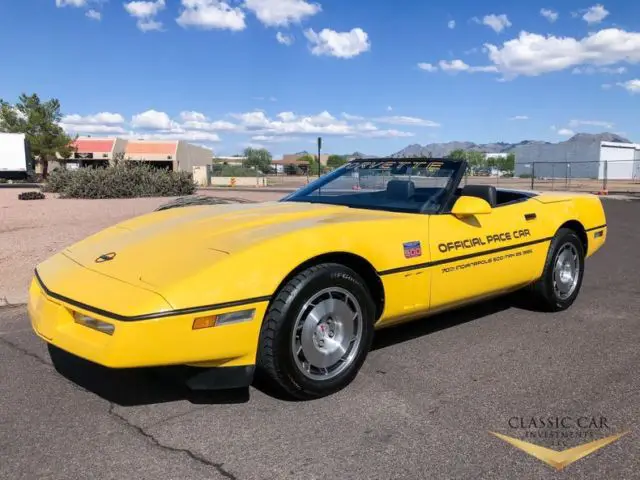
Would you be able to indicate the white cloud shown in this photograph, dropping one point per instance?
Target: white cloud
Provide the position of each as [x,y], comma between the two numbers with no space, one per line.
[384,134]
[550,15]
[287,116]
[565,132]
[593,123]
[632,86]
[496,22]
[189,136]
[71,3]
[289,123]
[142,9]
[195,126]
[338,44]
[590,70]
[149,25]
[389,108]
[219,126]
[460,66]
[348,116]
[451,24]
[94,14]
[104,123]
[595,14]
[427,67]
[211,14]
[272,139]
[145,13]
[191,116]
[87,128]
[402,120]
[520,117]
[102,118]
[533,54]
[280,13]
[153,120]
[284,39]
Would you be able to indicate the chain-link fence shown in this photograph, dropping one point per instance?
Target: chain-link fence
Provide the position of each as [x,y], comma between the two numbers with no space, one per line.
[612,176]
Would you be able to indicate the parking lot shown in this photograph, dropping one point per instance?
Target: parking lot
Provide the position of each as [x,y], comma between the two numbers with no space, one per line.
[423,405]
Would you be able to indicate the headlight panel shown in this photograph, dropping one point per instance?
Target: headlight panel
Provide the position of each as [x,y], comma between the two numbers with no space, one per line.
[94,323]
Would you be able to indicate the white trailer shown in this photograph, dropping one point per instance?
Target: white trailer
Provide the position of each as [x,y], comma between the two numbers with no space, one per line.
[15,157]
[622,161]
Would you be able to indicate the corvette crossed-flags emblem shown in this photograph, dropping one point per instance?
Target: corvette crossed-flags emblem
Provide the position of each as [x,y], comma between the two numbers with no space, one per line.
[564,458]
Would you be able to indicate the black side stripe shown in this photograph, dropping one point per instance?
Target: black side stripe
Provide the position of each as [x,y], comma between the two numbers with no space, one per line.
[462,257]
[149,316]
[596,228]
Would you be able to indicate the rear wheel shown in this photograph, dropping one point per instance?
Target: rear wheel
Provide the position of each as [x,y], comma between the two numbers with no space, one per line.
[563,272]
[317,332]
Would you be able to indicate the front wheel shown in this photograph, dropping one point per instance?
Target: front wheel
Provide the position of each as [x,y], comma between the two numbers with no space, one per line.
[563,272]
[317,332]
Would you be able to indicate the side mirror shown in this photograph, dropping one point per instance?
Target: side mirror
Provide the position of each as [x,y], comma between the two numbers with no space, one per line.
[469,206]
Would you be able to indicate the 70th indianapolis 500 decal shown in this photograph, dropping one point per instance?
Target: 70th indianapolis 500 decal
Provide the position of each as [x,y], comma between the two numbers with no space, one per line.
[485,261]
[492,239]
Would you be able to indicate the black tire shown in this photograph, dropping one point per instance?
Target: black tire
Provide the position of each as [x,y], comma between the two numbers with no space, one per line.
[545,296]
[275,356]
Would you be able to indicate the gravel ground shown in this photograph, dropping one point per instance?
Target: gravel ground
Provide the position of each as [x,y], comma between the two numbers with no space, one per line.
[422,406]
[31,231]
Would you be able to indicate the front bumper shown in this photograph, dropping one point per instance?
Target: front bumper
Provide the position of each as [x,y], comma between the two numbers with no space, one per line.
[146,343]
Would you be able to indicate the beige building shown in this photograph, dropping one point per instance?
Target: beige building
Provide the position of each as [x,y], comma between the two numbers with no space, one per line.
[291,158]
[177,155]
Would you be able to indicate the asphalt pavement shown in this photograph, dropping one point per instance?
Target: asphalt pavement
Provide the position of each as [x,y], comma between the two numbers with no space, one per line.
[423,405]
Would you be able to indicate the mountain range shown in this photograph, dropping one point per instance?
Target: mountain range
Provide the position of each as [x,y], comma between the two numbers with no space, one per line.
[440,150]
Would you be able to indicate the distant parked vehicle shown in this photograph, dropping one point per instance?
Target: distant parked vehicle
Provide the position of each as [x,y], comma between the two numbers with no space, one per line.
[15,156]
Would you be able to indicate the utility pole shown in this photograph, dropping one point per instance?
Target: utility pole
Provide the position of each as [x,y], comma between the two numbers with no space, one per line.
[319,149]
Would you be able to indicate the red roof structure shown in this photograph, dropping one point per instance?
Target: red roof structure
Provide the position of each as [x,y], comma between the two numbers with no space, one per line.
[89,145]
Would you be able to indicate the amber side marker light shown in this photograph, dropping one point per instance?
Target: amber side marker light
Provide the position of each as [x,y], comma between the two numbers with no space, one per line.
[223,319]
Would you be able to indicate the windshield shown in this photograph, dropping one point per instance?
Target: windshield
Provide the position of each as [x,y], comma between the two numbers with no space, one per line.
[418,186]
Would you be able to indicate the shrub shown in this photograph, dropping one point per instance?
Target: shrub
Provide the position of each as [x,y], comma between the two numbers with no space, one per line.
[31,196]
[120,181]
[234,171]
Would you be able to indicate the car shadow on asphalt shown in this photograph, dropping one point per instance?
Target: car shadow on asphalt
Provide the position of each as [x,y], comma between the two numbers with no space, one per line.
[148,386]
[138,386]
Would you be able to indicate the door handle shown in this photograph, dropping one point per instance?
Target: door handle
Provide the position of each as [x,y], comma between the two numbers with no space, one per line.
[530,216]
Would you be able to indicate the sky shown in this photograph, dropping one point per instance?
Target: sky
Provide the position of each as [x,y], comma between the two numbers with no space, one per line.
[365,75]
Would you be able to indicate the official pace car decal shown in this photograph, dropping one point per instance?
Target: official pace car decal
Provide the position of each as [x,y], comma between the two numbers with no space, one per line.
[494,239]
[412,249]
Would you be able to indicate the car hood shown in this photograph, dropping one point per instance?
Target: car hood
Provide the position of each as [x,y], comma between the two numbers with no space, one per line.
[154,250]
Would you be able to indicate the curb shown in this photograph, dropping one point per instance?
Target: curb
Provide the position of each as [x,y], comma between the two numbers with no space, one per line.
[249,189]
[4,303]
[21,185]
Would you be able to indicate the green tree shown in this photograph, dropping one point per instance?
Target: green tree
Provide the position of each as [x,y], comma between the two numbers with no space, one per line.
[458,154]
[335,161]
[507,164]
[476,159]
[311,161]
[40,122]
[260,158]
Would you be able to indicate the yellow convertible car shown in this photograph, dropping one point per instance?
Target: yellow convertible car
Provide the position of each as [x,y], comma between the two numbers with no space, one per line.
[295,288]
